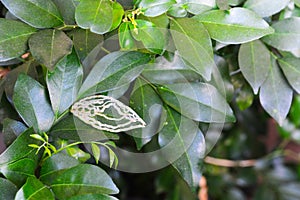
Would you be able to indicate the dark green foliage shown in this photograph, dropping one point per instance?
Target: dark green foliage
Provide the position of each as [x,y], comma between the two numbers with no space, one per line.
[213,78]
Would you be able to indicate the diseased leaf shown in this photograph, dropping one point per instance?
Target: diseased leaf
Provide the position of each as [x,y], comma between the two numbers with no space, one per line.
[254,61]
[197,101]
[96,15]
[34,189]
[235,26]
[30,100]
[188,146]
[13,38]
[113,71]
[190,33]
[50,46]
[83,179]
[265,8]
[148,105]
[198,6]
[8,189]
[291,68]
[275,94]
[37,13]
[64,82]
[84,41]
[151,36]
[155,8]
[106,113]
[286,36]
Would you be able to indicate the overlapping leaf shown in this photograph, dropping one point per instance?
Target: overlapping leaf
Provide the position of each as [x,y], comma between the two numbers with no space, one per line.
[148,105]
[30,100]
[190,33]
[266,8]
[155,8]
[13,38]
[96,15]
[291,68]
[8,189]
[286,36]
[64,82]
[67,10]
[113,71]
[254,62]
[83,179]
[275,94]
[37,13]
[196,7]
[197,101]
[235,26]
[50,46]
[34,189]
[187,144]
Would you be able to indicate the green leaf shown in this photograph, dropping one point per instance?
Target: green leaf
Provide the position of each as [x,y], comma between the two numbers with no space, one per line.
[93,197]
[235,2]
[74,129]
[13,38]
[286,36]
[78,154]
[196,7]
[50,46]
[265,8]
[155,8]
[235,26]
[67,10]
[187,32]
[85,41]
[34,189]
[275,94]
[30,100]
[28,67]
[151,36]
[254,61]
[290,190]
[291,69]
[197,101]
[126,40]
[11,130]
[189,142]
[56,165]
[96,15]
[18,149]
[8,189]
[118,13]
[37,13]
[64,82]
[96,152]
[148,105]
[178,10]
[83,179]
[295,111]
[223,4]
[167,72]
[113,71]
[17,172]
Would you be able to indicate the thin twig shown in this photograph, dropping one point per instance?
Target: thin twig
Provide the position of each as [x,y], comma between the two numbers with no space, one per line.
[229,163]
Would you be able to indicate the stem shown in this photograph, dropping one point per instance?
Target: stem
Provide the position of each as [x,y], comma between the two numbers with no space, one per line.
[229,163]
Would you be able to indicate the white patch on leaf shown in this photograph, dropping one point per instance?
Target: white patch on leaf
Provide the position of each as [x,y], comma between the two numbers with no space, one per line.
[107,114]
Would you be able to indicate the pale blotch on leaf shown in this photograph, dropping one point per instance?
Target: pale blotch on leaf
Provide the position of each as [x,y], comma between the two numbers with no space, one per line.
[107,114]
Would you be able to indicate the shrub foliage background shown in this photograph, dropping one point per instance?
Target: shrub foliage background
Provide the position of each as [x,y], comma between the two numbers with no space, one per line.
[166,53]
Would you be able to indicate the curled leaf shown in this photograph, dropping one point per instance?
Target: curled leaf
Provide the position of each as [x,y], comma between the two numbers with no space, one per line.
[106,113]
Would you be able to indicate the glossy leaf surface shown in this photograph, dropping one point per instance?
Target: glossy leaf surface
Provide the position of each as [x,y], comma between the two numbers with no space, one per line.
[266,8]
